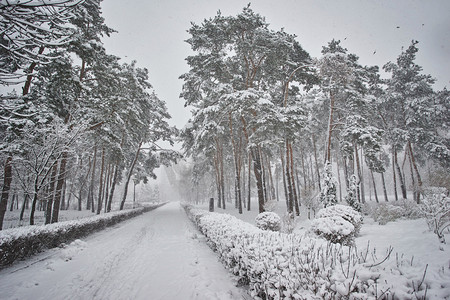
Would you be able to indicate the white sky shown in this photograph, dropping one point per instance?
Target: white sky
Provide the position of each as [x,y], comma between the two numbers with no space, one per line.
[153,33]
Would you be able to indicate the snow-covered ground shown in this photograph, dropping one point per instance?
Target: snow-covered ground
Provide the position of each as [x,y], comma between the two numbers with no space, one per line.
[158,255]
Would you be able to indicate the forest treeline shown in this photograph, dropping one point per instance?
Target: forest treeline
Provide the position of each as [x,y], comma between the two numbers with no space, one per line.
[82,122]
[268,115]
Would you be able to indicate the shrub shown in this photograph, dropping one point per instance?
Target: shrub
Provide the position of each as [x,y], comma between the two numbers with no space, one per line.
[290,266]
[436,209]
[268,221]
[389,212]
[337,224]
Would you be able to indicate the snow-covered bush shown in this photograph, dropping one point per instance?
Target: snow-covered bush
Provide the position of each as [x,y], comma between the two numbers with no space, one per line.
[288,223]
[436,209]
[384,213]
[268,221]
[289,266]
[21,242]
[337,224]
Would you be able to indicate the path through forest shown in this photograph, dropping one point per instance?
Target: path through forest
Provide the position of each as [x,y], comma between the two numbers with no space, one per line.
[158,255]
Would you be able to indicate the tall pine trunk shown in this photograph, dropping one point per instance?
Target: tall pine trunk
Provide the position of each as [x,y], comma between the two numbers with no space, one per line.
[360,177]
[130,172]
[294,189]
[384,187]
[400,176]
[51,195]
[374,186]
[100,186]
[113,187]
[59,187]
[419,179]
[7,173]
[394,178]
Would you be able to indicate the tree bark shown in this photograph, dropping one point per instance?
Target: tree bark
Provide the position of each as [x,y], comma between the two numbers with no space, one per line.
[7,171]
[283,172]
[100,186]
[249,181]
[394,178]
[419,179]
[400,176]
[59,186]
[374,187]
[384,187]
[51,195]
[24,205]
[258,176]
[113,186]
[360,179]
[316,162]
[289,183]
[130,172]
[339,179]
[330,129]
[294,189]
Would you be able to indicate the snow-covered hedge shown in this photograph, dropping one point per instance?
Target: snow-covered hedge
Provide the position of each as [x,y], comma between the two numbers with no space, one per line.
[384,213]
[337,224]
[268,221]
[288,266]
[22,242]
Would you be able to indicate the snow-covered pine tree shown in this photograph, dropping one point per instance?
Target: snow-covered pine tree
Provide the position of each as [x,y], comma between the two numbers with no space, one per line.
[328,195]
[352,193]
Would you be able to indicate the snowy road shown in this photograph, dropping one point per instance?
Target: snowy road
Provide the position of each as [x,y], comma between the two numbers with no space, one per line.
[157,255]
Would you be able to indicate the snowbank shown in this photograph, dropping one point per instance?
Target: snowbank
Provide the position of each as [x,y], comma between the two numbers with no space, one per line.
[280,266]
[21,242]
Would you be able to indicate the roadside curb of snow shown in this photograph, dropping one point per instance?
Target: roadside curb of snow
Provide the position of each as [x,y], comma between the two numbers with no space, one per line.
[22,242]
[288,266]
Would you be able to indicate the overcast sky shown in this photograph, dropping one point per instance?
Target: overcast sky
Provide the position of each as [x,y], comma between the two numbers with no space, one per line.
[153,33]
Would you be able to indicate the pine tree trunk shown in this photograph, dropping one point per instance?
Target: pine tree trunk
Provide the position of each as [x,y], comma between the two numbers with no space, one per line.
[263,172]
[317,162]
[100,186]
[59,186]
[384,187]
[304,172]
[289,183]
[34,201]
[283,172]
[13,199]
[360,179]
[113,187]
[24,205]
[294,190]
[130,172]
[394,178]
[108,180]
[413,181]
[249,181]
[330,129]
[258,176]
[374,187]
[63,195]
[90,198]
[339,179]
[272,186]
[400,176]
[419,179]
[7,173]
[51,194]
